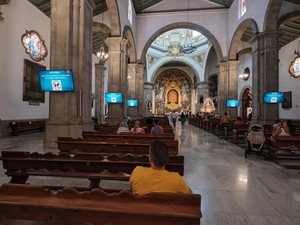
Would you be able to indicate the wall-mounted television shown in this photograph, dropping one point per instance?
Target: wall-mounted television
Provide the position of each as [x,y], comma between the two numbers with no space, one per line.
[56,80]
[273,97]
[113,97]
[132,102]
[233,103]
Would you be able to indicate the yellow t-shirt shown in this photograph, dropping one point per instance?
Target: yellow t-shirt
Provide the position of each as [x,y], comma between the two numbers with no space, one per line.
[144,180]
[225,119]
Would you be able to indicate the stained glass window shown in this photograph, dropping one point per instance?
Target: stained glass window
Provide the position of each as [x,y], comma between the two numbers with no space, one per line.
[34,45]
[130,12]
[243,7]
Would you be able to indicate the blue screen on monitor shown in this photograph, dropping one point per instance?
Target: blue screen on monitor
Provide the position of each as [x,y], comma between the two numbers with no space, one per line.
[113,97]
[233,103]
[132,102]
[56,80]
[273,97]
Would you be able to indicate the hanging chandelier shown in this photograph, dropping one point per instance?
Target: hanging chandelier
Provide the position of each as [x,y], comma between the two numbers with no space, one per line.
[102,55]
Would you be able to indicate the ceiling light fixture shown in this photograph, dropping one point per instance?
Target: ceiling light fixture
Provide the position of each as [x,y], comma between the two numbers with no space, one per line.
[102,55]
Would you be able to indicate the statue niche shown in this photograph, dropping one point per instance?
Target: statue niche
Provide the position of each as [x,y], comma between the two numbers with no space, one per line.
[172,96]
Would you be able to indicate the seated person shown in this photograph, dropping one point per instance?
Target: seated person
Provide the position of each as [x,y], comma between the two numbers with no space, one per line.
[122,120]
[137,129]
[122,128]
[277,124]
[144,180]
[239,121]
[225,118]
[157,129]
[285,130]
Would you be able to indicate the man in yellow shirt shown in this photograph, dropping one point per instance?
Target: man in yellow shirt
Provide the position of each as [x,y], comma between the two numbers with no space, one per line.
[225,118]
[144,180]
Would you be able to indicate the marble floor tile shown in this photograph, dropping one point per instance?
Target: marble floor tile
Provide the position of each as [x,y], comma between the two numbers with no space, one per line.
[235,190]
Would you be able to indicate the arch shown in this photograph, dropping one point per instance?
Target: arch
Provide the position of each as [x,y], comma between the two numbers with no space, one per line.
[155,76]
[114,17]
[190,26]
[101,27]
[238,34]
[245,91]
[271,16]
[288,16]
[132,48]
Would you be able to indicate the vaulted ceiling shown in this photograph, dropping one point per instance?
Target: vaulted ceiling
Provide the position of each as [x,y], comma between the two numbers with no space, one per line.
[290,29]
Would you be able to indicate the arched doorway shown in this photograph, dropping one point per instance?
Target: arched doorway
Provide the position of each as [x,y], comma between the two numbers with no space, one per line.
[246,103]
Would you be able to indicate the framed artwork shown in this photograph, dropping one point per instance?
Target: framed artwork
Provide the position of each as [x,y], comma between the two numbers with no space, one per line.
[287,102]
[34,45]
[31,84]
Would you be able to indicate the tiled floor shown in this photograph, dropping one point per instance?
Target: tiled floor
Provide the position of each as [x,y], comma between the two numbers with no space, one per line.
[234,190]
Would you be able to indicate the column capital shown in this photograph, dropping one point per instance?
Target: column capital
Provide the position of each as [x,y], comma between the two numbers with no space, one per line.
[116,43]
[100,66]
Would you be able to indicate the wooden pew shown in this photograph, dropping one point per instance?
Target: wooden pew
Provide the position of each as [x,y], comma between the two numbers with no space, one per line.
[286,145]
[239,133]
[69,206]
[27,126]
[219,131]
[95,134]
[21,165]
[139,147]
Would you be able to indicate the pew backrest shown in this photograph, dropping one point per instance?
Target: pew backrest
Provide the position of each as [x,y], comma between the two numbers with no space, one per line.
[36,203]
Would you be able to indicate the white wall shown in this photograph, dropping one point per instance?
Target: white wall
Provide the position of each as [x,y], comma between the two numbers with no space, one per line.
[287,82]
[19,16]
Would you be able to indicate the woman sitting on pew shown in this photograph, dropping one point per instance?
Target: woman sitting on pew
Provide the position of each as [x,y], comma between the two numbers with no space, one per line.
[137,129]
[157,129]
[285,130]
[122,128]
[239,121]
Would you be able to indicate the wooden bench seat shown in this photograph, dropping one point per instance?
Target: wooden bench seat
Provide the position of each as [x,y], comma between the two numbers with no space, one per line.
[283,147]
[27,126]
[69,206]
[95,134]
[139,147]
[21,165]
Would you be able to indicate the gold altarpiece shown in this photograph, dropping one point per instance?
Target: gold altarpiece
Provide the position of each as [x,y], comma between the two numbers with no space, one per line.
[170,102]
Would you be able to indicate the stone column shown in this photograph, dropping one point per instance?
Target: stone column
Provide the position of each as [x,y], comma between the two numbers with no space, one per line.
[193,101]
[203,89]
[117,76]
[99,91]
[139,89]
[227,89]
[70,112]
[148,96]
[131,91]
[265,76]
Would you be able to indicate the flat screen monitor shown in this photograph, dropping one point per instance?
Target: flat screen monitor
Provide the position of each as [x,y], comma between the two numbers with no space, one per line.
[132,102]
[113,97]
[273,97]
[56,80]
[232,103]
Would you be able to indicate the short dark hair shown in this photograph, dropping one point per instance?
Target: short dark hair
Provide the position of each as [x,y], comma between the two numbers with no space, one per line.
[225,113]
[159,153]
[156,122]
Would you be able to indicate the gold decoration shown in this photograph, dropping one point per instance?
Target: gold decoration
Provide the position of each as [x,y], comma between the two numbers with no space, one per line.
[151,60]
[175,50]
[294,68]
[199,59]
[172,87]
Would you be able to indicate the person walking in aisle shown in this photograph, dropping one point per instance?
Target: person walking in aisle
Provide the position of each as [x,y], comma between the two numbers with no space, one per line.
[182,120]
[173,117]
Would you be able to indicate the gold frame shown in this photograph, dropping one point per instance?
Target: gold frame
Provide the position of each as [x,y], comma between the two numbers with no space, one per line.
[293,66]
